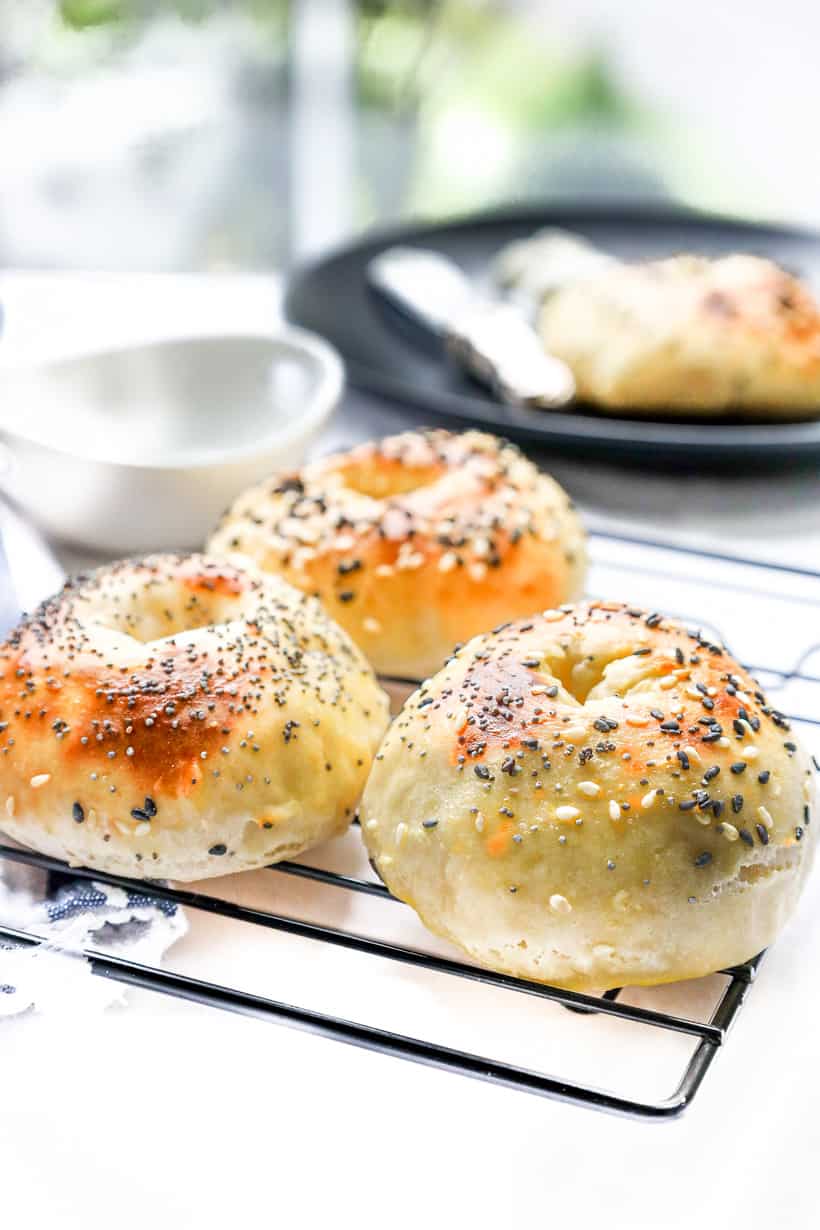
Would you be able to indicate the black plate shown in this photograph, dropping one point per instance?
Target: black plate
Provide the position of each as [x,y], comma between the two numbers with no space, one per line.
[332,298]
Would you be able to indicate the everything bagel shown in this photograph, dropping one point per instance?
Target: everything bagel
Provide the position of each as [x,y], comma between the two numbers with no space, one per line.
[594,797]
[182,717]
[415,542]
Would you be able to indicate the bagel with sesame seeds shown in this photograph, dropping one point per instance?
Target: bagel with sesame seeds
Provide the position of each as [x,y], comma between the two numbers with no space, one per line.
[415,542]
[182,717]
[594,797]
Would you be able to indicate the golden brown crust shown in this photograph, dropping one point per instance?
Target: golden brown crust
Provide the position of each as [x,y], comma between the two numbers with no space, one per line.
[594,796]
[182,716]
[735,335]
[415,542]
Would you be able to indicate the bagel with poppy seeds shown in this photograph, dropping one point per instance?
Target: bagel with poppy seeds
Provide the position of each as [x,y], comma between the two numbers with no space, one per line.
[182,717]
[594,797]
[415,542]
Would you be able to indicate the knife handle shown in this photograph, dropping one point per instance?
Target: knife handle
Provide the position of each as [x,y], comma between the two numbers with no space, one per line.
[500,349]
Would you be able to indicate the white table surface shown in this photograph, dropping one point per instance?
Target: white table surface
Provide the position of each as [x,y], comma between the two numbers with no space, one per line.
[159,1113]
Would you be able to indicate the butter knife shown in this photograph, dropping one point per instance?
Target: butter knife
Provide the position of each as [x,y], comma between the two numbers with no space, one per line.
[491,340]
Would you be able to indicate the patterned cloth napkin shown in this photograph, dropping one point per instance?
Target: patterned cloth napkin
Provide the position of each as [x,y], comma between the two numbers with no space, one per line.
[53,976]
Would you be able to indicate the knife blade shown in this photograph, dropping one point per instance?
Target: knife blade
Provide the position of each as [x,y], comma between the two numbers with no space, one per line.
[489,339]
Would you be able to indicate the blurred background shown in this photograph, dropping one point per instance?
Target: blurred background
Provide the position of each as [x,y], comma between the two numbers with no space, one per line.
[207,135]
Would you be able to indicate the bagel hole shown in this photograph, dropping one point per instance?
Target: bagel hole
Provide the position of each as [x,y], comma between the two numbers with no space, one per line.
[391,477]
[580,674]
[162,615]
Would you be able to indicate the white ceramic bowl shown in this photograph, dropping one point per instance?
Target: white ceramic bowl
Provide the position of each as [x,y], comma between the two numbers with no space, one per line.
[142,448]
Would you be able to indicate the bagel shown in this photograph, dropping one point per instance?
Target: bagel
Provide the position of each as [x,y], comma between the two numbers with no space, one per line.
[415,542]
[182,717]
[594,797]
[690,335]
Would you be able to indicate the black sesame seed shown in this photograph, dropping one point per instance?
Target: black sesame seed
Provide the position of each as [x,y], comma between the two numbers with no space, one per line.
[149,807]
[219,848]
[346,595]
[670,728]
[711,773]
[139,814]
[745,836]
[762,834]
[482,771]
[763,777]
[798,833]
[739,767]
[78,813]
[686,805]
[703,859]
[684,760]
[737,803]
[429,824]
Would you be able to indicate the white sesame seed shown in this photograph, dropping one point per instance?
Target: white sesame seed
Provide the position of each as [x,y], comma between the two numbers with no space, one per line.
[10,806]
[39,779]
[477,571]
[479,823]
[129,751]
[559,904]
[749,753]
[371,825]
[566,813]
[384,570]
[669,681]
[590,789]
[371,625]
[572,733]
[614,810]
[142,829]
[447,561]
[692,753]
[807,790]
[401,833]
[765,817]
[636,719]
[649,799]
[552,616]
[703,817]
[723,742]
[729,831]
[540,689]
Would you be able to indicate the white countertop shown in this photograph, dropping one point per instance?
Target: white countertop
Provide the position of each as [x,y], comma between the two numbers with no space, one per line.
[160,1111]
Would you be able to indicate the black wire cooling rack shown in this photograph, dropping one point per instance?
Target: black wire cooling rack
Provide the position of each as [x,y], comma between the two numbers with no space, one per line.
[772,609]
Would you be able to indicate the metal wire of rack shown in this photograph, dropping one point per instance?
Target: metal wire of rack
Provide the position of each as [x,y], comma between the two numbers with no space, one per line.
[726,580]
